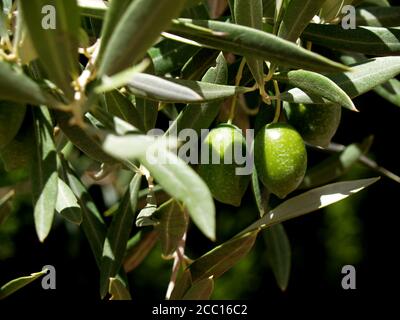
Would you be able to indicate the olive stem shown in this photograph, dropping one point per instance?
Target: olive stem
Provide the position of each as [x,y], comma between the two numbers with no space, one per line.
[237,83]
[277,103]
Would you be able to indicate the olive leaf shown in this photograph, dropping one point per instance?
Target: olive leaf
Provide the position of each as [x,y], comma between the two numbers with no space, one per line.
[67,205]
[201,290]
[16,284]
[364,76]
[118,235]
[81,138]
[172,225]
[368,40]
[118,290]
[148,111]
[137,29]
[56,45]
[201,116]
[278,254]
[310,201]
[222,258]
[198,64]
[118,105]
[180,91]
[16,86]
[169,56]
[378,16]
[92,223]
[297,16]
[250,42]
[249,13]
[138,248]
[182,285]
[390,91]
[182,183]
[43,172]
[318,85]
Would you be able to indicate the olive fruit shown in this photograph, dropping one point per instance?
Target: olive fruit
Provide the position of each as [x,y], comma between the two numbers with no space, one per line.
[317,124]
[280,158]
[225,184]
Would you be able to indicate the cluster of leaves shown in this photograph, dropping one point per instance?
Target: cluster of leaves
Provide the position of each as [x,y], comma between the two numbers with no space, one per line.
[99,81]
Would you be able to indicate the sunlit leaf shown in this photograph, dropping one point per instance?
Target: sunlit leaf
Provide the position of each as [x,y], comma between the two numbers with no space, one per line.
[16,284]
[247,41]
[310,201]
[43,172]
[67,205]
[364,76]
[297,16]
[138,28]
[118,290]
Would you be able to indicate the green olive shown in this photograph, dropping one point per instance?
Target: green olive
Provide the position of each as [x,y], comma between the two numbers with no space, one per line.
[317,124]
[280,158]
[225,184]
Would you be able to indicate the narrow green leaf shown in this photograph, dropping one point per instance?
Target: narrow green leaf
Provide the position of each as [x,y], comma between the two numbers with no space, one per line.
[335,166]
[43,172]
[310,201]
[118,105]
[55,38]
[11,117]
[250,13]
[15,86]
[172,226]
[297,16]
[219,260]
[118,235]
[368,40]
[180,91]
[93,8]
[378,16]
[114,14]
[261,194]
[5,206]
[318,85]
[67,205]
[182,183]
[201,290]
[81,138]
[199,117]
[279,254]
[22,42]
[250,42]
[182,285]
[364,76]
[197,65]
[118,290]
[137,30]
[169,56]
[332,8]
[390,91]
[148,111]
[16,284]
[138,248]
[92,223]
